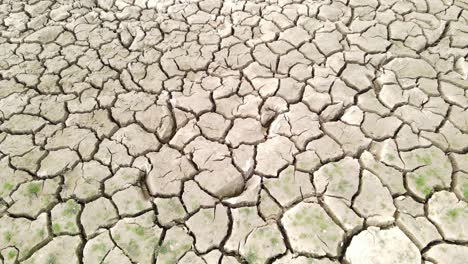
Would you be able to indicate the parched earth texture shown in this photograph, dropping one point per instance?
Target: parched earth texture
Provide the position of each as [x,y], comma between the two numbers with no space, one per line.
[223,132]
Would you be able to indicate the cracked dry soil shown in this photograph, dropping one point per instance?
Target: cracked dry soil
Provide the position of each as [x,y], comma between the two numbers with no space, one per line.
[223,132]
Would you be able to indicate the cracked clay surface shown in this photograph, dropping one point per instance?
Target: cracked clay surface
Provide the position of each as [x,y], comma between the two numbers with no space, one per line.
[236,131]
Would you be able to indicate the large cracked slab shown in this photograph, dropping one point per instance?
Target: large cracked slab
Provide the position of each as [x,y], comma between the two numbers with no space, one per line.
[382,246]
[211,131]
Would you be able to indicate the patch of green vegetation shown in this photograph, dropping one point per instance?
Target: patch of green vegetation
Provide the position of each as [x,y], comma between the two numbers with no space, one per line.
[208,214]
[175,206]
[260,232]
[33,188]
[40,233]
[51,259]
[169,251]
[11,254]
[139,205]
[465,190]
[433,172]
[337,169]
[426,159]
[195,204]
[56,228]
[287,190]
[152,239]
[310,219]
[289,180]
[289,173]
[156,251]
[322,225]
[164,248]
[245,211]
[7,236]
[298,216]
[71,208]
[251,256]
[70,226]
[46,201]
[274,241]
[7,186]
[421,185]
[132,248]
[168,256]
[453,213]
[319,220]
[138,230]
[99,247]
[302,164]
[183,247]
[390,157]
[343,185]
